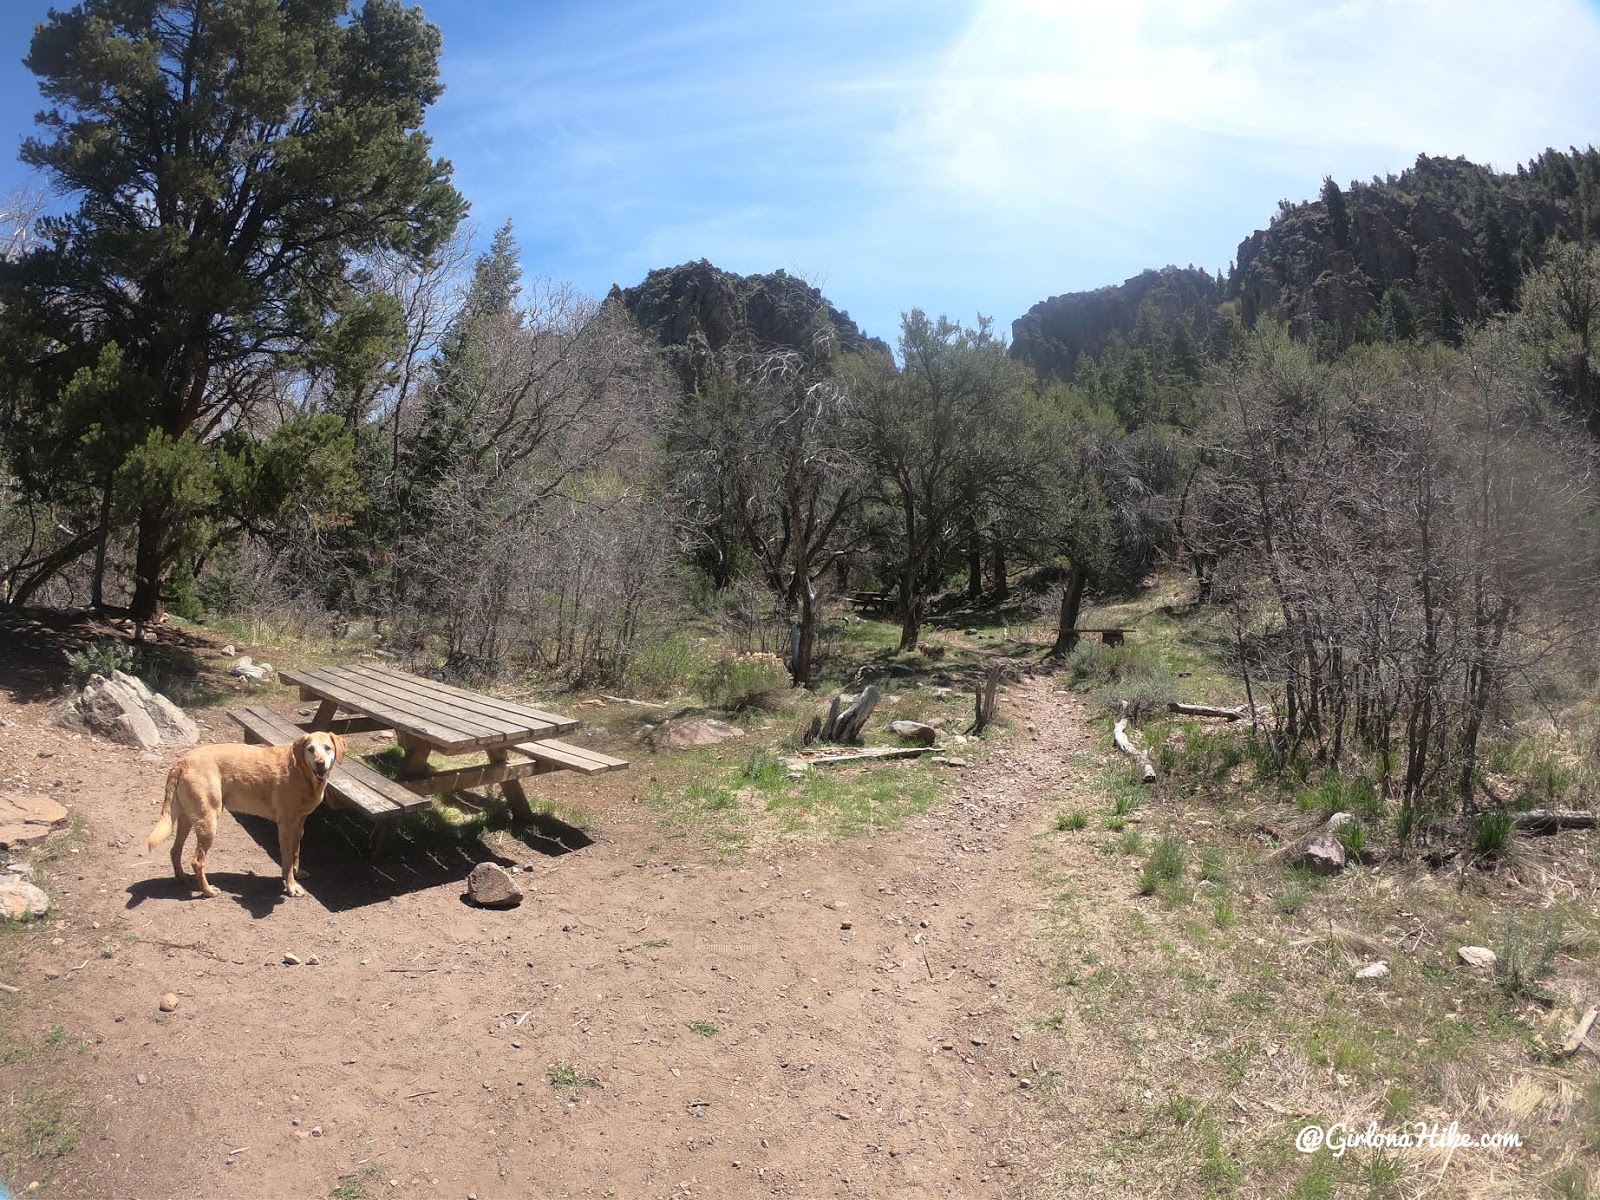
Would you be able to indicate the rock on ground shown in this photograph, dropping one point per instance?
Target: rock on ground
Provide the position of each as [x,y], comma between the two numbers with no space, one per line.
[28,818]
[174,724]
[1324,854]
[123,709]
[491,886]
[1477,956]
[1375,970]
[704,731]
[914,732]
[21,900]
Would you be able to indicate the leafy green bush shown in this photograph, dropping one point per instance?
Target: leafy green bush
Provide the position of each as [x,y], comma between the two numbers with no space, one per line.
[743,680]
[1114,674]
[102,657]
[669,667]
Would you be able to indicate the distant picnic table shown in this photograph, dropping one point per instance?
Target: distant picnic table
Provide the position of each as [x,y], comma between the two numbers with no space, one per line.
[425,715]
[872,601]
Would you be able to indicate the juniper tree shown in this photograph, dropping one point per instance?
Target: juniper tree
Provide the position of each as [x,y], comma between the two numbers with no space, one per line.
[227,161]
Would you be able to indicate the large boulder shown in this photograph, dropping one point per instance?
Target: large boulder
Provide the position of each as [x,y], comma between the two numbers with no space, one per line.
[114,711]
[123,709]
[175,726]
[28,818]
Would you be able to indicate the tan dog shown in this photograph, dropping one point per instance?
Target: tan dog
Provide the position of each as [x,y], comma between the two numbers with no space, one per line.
[283,783]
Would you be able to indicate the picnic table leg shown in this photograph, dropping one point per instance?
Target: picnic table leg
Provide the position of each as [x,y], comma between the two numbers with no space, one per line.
[383,831]
[516,798]
[416,758]
[325,714]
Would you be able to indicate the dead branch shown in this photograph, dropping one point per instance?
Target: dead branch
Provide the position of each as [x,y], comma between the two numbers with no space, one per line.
[1125,743]
[1207,710]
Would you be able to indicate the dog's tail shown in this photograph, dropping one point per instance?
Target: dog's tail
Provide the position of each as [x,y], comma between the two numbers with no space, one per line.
[163,829]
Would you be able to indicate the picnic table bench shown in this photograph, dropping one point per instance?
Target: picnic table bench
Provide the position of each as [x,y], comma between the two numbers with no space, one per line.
[517,740]
[871,601]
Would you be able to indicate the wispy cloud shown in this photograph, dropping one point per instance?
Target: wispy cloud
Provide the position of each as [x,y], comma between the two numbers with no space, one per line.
[961,155]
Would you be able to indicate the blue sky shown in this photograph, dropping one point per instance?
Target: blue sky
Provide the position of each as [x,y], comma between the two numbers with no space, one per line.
[961,157]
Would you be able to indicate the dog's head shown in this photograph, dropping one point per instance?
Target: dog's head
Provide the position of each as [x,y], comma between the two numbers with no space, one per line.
[319,753]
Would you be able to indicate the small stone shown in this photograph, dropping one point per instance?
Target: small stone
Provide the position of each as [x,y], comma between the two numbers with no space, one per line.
[1375,970]
[845,925]
[491,886]
[52,973]
[169,1003]
[291,959]
[516,1045]
[311,960]
[1339,820]
[1477,956]
[58,941]
[978,1041]
[1323,854]
[316,1131]
[21,900]
[1024,1083]
[141,1080]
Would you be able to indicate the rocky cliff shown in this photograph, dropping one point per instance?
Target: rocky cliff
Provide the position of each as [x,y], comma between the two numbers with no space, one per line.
[696,311]
[1426,253]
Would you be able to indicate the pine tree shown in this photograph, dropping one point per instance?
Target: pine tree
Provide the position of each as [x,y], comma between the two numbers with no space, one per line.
[226,159]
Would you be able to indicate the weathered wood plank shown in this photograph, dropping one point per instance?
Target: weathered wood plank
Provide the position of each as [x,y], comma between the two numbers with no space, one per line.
[483,711]
[567,757]
[513,708]
[404,717]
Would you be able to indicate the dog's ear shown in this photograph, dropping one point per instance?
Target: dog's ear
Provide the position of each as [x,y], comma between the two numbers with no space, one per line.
[298,749]
[340,748]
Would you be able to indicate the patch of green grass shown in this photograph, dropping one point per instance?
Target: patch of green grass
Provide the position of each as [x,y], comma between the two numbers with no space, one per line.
[358,1185]
[703,1028]
[1491,832]
[565,1075]
[41,1124]
[1130,843]
[1526,951]
[657,943]
[1168,859]
[1072,819]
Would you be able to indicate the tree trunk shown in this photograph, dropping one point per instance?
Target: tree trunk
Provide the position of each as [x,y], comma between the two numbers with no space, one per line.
[1071,602]
[148,566]
[910,612]
[806,639]
[45,569]
[97,587]
[975,569]
[1002,589]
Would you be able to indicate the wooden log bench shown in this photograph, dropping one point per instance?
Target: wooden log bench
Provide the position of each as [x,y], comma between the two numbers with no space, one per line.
[353,785]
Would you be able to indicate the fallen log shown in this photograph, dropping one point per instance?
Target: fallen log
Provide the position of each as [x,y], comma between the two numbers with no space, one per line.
[1119,733]
[1551,820]
[1207,710]
[1579,1032]
[832,760]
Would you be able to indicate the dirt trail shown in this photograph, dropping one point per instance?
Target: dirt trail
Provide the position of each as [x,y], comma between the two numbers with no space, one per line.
[865,996]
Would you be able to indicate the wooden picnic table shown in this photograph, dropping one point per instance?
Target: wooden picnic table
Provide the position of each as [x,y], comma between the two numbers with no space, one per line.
[516,740]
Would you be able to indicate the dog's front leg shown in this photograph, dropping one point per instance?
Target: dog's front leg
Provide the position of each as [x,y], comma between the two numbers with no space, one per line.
[289,831]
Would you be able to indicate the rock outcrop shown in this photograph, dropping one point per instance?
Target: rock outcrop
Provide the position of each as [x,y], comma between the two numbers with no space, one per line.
[123,709]
[696,311]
